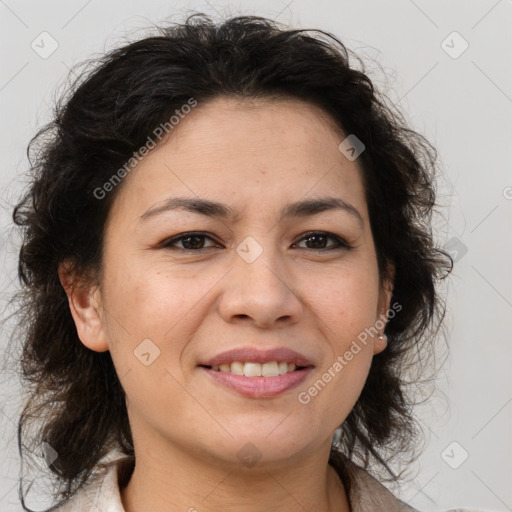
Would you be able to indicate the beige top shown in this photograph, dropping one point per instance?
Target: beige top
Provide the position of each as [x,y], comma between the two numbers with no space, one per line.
[365,493]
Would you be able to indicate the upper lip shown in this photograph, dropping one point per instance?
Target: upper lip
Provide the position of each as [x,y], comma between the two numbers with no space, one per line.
[256,355]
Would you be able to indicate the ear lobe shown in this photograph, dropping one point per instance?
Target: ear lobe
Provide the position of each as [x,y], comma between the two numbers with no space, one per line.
[85,305]
[386,291]
[380,343]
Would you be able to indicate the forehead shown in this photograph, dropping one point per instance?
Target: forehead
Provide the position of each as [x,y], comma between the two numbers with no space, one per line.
[247,152]
[233,125]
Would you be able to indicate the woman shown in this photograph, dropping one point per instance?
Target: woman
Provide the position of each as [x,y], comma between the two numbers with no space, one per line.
[227,260]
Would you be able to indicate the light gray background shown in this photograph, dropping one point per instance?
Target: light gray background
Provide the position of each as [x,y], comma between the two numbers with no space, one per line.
[463,105]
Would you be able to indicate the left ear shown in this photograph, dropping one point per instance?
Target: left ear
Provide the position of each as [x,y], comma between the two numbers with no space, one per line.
[386,290]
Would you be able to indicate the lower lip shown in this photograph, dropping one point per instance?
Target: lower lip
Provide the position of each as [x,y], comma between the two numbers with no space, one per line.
[259,387]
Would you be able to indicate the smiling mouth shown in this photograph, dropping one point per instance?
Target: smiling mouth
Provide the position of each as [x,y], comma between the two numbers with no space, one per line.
[250,369]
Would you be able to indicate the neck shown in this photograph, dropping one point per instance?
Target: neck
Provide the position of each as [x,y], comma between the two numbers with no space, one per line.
[199,484]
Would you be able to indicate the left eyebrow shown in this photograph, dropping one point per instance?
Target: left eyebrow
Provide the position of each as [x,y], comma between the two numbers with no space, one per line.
[310,207]
[206,207]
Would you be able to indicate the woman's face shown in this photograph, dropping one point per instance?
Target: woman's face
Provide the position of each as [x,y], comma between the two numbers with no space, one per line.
[255,280]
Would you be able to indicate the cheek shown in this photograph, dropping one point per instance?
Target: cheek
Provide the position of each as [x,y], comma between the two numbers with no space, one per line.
[151,303]
[346,308]
[150,321]
[150,297]
[347,304]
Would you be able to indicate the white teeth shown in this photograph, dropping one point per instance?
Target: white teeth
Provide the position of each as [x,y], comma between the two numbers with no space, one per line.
[283,367]
[271,369]
[237,368]
[252,369]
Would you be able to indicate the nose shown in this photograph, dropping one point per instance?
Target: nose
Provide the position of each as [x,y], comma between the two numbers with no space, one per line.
[261,292]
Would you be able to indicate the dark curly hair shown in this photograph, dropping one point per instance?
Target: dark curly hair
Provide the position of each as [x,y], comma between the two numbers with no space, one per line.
[76,398]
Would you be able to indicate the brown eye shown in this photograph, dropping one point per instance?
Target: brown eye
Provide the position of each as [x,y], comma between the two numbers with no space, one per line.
[189,241]
[317,240]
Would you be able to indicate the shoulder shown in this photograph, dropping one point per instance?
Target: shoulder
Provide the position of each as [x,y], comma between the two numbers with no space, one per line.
[366,493]
[101,493]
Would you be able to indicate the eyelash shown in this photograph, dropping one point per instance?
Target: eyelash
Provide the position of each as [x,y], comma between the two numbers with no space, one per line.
[169,243]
